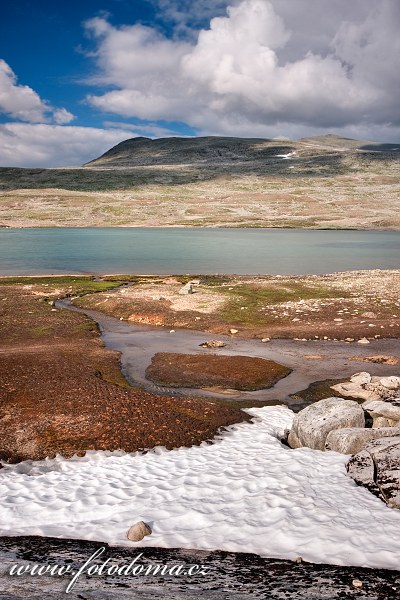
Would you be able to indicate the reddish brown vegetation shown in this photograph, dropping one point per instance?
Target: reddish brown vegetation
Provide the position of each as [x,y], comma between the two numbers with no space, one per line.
[62,392]
[199,370]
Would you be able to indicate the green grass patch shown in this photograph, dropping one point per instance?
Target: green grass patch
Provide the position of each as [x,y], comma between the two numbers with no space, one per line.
[40,331]
[254,298]
[208,280]
[72,286]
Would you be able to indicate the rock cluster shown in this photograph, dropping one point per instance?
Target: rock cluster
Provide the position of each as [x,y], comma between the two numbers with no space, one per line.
[213,344]
[369,431]
[366,387]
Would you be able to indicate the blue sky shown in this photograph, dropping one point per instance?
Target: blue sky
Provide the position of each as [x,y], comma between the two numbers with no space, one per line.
[78,77]
[45,44]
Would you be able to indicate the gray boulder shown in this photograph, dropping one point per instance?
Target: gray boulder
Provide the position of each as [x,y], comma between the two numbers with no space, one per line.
[351,440]
[312,425]
[391,383]
[383,412]
[361,378]
[377,467]
[186,289]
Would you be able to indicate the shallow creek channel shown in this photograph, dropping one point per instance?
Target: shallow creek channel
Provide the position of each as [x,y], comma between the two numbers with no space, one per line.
[310,361]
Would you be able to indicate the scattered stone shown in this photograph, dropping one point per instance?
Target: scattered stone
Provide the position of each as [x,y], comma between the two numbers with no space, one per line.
[357,583]
[265,340]
[312,425]
[368,315]
[138,531]
[213,344]
[363,341]
[172,330]
[351,440]
[379,359]
[361,378]
[392,383]
[233,331]
[186,289]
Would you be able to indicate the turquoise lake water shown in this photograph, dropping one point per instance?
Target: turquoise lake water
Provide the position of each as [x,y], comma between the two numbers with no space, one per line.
[194,251]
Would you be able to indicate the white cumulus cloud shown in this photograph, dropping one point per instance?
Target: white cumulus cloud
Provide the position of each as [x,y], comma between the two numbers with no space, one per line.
[23,103]
[43,145]
[19,101]
[62,116]
[266,65]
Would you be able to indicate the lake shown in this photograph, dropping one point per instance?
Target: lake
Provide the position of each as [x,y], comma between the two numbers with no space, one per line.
[194,251]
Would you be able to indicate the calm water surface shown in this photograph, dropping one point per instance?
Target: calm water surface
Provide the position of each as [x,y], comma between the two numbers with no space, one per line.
[194,251]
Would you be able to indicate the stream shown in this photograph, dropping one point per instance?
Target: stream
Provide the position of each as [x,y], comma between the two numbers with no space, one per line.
[310,360]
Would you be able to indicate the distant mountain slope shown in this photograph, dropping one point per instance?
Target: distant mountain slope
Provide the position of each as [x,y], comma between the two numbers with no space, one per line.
[201,151]
[323,182]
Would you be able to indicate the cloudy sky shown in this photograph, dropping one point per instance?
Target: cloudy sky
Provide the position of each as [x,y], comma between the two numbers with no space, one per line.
[78,77]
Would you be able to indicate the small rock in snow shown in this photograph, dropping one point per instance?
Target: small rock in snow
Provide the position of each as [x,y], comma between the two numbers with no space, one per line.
[138,531]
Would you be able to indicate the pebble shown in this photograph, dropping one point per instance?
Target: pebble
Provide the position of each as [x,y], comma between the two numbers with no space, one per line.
[363,341]
[138,531]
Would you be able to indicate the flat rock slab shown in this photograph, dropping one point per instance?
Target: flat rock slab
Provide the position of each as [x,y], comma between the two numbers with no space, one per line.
[198,371]
[229,575]
[351,440]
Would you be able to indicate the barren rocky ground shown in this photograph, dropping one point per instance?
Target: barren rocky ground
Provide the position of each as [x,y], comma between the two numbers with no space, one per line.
[324,182]
[346,306]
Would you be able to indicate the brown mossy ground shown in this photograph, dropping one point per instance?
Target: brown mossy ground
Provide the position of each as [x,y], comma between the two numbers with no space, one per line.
[229,372]
[61,390]
[318,390]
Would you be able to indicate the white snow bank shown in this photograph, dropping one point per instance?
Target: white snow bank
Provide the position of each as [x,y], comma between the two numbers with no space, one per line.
[246,492]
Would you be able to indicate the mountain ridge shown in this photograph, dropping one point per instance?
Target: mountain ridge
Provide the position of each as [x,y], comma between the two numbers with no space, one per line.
[143,151]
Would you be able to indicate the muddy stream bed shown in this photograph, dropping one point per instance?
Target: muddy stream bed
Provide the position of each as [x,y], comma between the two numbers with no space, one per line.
[310,361]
